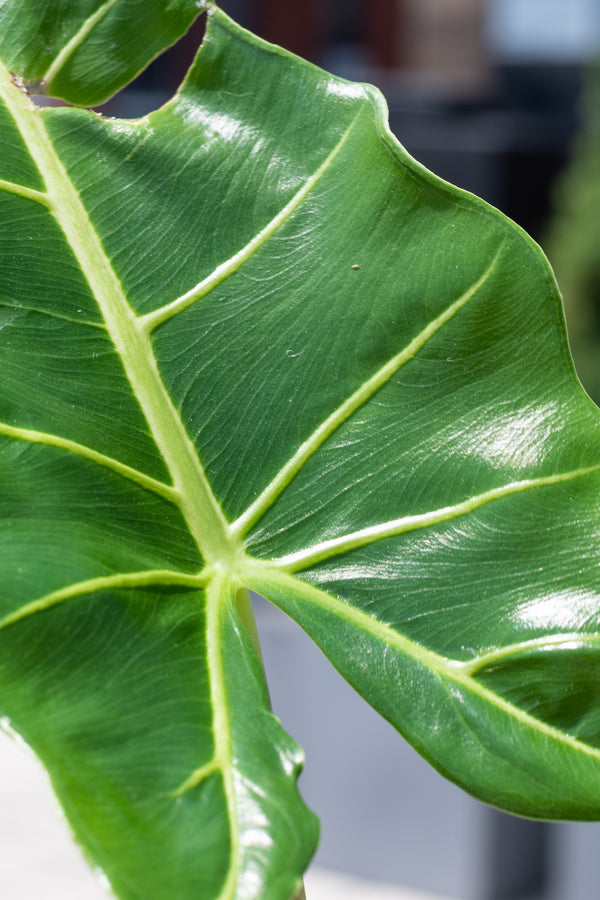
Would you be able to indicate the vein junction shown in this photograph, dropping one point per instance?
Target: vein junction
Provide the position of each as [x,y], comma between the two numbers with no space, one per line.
[562,641]
[53,440]
[146,578]
[29,193]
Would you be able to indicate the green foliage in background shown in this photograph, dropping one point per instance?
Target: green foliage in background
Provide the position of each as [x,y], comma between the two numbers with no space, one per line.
[573,239]
[246,342]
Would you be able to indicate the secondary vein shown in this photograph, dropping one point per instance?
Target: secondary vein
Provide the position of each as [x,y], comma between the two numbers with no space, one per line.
[197,777]
[122,580]
[563,640]
[75,42]
[447,668]
[29,193]
[289,471]
[311,556]
[153,319]
[53,440]
[58,317]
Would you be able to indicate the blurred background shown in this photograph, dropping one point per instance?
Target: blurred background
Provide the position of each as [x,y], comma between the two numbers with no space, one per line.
[501,97]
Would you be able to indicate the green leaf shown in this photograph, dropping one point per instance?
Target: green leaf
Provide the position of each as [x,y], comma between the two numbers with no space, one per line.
[86,50]
[248,342]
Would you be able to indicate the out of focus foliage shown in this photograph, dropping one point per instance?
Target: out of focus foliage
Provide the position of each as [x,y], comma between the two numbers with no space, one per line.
[573,241]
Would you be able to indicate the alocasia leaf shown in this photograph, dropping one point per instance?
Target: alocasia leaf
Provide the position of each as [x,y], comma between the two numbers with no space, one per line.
[248,342]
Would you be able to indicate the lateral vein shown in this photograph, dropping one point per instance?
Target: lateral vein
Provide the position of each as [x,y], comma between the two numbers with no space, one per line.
[197,777]
[148,578]
[564,640]
[29,193]
[289,471]
[310,556]
[75,42]
[446,667]
[224,270]
[53,440]
[53,315]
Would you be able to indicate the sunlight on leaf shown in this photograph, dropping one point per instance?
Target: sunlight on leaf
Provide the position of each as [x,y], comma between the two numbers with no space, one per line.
[248,342]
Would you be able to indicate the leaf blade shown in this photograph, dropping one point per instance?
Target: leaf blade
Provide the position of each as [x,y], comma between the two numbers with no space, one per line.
[354,394]
[478,734]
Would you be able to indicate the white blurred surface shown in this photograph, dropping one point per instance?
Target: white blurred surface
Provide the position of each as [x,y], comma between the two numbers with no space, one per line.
[323,885]
[38,858]
[544,30]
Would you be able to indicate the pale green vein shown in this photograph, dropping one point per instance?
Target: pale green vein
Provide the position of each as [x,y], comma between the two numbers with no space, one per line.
[310,556]
[22,191]
[197,777]
[563,641]
[219,592]
[449,669]
[149,578]
[351,405]
[76,41]
[53,440]
[231,265]
[52,315]
[218,595]
[199,506]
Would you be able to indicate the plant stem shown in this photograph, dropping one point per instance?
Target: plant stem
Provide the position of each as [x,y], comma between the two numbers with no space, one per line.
[300,893]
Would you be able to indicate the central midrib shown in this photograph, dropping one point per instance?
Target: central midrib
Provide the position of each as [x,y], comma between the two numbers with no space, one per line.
[198,504]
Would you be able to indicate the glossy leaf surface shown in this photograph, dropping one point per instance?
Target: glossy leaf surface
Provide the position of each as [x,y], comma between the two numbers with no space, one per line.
[247,342]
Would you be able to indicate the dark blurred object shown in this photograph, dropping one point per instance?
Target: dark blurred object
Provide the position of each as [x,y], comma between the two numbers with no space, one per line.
[385,30]
[503,146]
[517,863]
[300,27]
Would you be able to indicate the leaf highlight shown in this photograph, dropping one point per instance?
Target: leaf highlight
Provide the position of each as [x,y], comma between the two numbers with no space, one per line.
[303,559]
